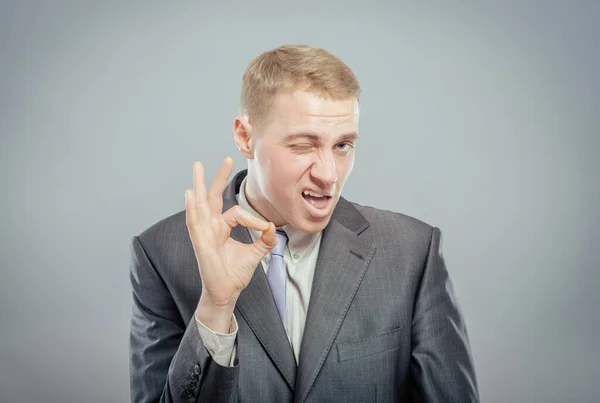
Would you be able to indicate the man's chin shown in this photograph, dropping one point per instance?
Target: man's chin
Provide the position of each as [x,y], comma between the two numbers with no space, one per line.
[310,220]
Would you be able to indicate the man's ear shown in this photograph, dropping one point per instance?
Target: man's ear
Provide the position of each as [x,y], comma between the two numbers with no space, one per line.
[242,134]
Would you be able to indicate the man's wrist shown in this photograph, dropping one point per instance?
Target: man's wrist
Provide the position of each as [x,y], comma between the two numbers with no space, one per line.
[214,317]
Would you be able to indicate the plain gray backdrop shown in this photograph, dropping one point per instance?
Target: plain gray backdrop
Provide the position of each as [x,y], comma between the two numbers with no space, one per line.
[481,118]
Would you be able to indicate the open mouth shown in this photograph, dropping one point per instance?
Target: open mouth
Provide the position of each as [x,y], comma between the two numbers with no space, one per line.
[316,200]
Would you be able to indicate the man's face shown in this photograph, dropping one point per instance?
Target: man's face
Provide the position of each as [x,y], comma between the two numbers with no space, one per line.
[301,159]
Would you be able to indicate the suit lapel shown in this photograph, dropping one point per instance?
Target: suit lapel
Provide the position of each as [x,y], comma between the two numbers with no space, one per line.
[256,303]
[342,263]
[343,260]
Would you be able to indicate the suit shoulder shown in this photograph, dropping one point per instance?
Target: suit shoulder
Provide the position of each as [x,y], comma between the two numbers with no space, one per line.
[396,226]
[163,230]
[374,214]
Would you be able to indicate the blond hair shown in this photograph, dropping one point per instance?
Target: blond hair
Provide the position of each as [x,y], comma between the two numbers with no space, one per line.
[294,67]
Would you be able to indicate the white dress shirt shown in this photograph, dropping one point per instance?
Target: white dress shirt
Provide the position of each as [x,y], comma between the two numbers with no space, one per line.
[300,257]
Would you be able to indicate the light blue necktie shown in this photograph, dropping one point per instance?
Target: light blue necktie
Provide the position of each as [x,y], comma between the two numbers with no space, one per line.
[277,273]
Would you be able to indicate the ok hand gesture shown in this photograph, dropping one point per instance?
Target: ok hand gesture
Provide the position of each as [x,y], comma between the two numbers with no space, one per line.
[226,265]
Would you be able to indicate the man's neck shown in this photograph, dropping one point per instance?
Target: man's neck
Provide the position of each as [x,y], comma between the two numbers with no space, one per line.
[297,238]
[260,205]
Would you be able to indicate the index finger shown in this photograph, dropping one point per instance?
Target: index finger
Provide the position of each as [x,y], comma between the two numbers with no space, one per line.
[215,194]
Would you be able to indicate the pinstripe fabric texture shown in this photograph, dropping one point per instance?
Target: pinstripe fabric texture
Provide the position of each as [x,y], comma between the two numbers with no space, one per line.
[383,323]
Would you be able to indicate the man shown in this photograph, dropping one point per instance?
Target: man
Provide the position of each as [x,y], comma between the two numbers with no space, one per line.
[274,288]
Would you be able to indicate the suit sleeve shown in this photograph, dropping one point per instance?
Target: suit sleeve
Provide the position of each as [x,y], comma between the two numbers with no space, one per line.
[168,361]
[442,368]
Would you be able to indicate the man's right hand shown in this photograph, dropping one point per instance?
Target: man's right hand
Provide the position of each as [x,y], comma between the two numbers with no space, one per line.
[226,265]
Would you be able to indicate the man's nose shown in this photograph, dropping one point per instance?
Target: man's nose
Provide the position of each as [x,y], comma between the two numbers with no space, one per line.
[324,170]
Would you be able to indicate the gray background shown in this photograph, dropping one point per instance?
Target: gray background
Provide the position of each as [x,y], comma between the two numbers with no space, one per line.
[479,118]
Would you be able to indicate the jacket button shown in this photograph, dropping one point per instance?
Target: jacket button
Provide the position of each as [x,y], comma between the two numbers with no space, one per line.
[197,369]
[192,385]
[187,393]
[194,376]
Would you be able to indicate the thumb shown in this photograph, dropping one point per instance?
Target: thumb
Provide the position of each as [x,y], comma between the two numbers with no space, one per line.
[267,240]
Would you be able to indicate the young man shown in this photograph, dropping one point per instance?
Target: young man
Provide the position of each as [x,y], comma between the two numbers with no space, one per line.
[274,288]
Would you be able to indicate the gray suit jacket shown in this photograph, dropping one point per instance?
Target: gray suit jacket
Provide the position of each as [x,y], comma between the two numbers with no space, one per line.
[383,323]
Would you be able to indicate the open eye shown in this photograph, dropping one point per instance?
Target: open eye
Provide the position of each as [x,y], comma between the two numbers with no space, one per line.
[345,146]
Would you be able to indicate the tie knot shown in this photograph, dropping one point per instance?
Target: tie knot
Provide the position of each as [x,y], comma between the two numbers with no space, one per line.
[282,241]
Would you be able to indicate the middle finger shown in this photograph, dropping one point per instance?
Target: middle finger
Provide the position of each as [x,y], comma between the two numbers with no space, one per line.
[200,191]
[215,194]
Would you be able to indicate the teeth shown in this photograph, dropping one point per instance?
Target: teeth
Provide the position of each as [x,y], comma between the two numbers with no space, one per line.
[310,193]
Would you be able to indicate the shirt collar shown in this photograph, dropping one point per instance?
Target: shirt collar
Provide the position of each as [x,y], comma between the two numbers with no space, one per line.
[298,241]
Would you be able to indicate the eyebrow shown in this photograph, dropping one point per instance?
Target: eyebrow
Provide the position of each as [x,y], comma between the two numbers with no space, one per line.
[317,138]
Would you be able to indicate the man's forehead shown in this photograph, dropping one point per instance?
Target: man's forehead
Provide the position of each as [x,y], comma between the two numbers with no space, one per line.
[310,105]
